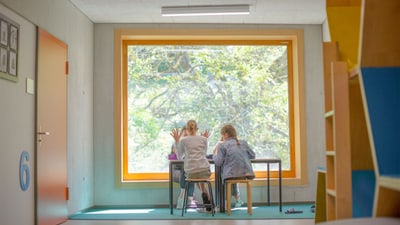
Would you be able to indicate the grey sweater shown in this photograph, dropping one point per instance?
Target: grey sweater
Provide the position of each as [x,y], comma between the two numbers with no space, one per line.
[193,150]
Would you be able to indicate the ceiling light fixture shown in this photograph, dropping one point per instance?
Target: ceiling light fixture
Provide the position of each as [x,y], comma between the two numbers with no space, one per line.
[205,10]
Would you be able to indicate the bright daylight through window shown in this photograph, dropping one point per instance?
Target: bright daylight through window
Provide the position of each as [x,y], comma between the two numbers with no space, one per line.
[247,85]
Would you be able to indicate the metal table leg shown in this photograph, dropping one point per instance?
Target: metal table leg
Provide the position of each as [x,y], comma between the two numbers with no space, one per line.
[280,186]
[268,186]
[171,194]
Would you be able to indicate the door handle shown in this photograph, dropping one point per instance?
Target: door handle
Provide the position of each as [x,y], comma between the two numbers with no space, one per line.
[40,133]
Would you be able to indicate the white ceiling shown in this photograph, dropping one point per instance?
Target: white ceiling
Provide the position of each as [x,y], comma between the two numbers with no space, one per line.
[149,11]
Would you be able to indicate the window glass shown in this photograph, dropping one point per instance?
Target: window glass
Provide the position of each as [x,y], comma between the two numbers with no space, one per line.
[245,85]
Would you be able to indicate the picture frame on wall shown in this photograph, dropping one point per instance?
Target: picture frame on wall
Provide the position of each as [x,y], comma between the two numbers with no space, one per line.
[12,64]
[9,48]
[3,32]
[13,37]
[3,60]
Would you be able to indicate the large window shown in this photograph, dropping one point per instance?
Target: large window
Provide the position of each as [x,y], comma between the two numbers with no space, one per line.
[248,83]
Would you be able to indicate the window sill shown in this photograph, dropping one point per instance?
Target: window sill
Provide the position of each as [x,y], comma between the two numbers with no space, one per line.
[164,183]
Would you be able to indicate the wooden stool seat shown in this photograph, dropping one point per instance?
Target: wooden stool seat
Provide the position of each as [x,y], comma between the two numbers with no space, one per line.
[204,205]
[228,186]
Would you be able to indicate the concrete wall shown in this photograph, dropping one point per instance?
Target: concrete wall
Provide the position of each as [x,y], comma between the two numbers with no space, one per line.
[17,130]
[106,193]
[90,112]
[17,115]
[325,31]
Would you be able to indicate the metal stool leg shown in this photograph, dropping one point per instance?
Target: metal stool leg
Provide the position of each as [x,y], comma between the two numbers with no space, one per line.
[204,205]
[185,197]
[211,198]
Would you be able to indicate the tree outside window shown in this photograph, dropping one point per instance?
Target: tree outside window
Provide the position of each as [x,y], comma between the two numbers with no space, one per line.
[244,85]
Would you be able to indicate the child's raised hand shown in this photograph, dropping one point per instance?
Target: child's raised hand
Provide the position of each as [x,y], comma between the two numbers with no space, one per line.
[206,134]
[175,134]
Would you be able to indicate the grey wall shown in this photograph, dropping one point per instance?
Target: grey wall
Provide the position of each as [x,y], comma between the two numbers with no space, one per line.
[17,118]
[90,112]
[17,130]
[106,193]
[325,31]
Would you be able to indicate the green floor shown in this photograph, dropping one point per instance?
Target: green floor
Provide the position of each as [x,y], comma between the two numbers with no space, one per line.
[259,212]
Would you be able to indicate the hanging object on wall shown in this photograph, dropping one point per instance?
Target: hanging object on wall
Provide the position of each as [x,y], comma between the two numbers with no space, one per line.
[24,172]
[9,39]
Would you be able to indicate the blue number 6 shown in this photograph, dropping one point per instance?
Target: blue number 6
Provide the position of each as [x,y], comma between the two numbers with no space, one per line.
[24,173]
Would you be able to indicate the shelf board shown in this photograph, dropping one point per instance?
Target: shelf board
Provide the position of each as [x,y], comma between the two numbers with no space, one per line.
[354,72]
[389,182]
[329,114]
[331,192]
[330,153]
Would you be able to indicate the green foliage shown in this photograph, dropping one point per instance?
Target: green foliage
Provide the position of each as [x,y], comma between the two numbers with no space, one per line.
[246,86]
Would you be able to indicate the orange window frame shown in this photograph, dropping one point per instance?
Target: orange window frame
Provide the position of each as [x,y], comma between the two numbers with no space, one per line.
[126,176]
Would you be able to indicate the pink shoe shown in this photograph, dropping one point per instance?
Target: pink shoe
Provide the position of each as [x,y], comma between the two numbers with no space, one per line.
[193,204]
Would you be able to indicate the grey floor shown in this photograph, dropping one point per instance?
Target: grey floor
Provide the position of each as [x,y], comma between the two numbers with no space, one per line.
[192,222]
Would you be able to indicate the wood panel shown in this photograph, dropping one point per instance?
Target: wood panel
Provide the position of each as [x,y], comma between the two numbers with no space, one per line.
[380,33]
[342,140]
[320,204]
[344,26]
[337,136]
[51,156]
[361,156]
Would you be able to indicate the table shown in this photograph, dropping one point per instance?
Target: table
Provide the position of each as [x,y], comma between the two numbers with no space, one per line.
[220,188]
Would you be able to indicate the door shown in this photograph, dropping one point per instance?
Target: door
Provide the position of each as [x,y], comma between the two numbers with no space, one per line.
[51,126]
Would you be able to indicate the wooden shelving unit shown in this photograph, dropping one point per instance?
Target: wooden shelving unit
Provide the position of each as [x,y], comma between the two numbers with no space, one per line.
[337,135]
[380,81]
[363,175]
[370,165]
[381,86]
